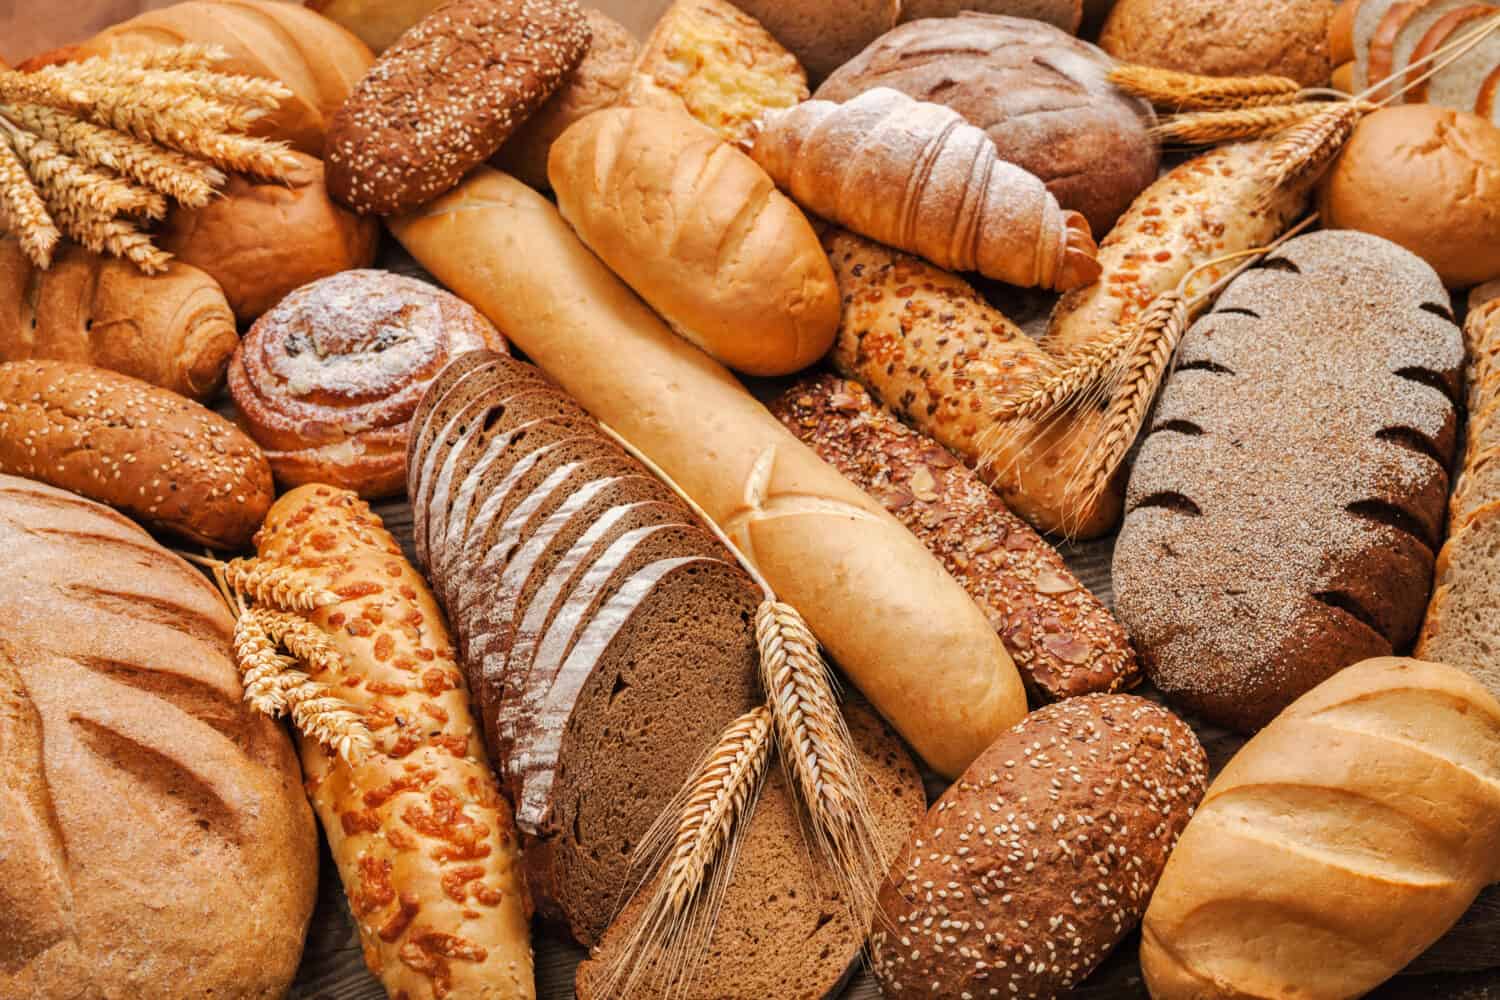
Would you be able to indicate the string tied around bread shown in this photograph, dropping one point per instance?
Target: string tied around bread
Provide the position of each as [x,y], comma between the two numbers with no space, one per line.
[804,724]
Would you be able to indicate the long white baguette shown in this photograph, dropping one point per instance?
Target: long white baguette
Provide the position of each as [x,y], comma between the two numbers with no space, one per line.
[905,632]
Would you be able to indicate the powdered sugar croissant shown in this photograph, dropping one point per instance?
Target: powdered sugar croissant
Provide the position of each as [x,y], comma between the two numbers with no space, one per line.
[916,176]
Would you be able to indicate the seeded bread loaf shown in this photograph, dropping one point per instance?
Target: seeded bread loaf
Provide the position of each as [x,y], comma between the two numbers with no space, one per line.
[157,842]
[1064,641]
[1041,95]
[1042,857]
[1284,510]
[1337,845]
[160,458]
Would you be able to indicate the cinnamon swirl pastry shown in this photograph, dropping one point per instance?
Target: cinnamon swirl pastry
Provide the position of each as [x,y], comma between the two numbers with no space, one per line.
[326,382]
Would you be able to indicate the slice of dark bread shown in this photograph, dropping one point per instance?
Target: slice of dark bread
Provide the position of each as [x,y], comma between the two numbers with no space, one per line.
[436,391]
[784,930]
[1286,504]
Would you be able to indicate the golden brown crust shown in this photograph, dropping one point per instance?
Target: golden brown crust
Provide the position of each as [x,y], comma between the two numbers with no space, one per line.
[328,380]
[1278,37]
[260,241]
[174,330]
[158,457]
[425,844]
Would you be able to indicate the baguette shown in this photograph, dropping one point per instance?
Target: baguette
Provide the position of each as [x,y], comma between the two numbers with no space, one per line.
[938,355]
[1337,845]
[727,260]
[174,330]
[162,459]
[425,844]
[904,631]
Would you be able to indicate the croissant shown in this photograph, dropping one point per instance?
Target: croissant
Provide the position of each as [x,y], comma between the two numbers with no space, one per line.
[917,177]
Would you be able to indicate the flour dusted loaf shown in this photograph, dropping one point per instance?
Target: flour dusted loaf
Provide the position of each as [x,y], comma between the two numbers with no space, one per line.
[149,818]
[1041,95]
[425,844]
[1284,510]
[1042,857]
[164,460]
[1337,845]
[1063,640]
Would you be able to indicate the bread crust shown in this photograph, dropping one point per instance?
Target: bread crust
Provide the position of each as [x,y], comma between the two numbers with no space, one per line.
[879,602]
[824,34]
[1280,37]
[728,261]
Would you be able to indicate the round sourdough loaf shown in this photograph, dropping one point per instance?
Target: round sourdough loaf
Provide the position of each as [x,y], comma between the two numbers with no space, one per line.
[446,95]
[1427,178]
[157,841]
[1043,97]
[260,241]
[1042,856]
[1281,37]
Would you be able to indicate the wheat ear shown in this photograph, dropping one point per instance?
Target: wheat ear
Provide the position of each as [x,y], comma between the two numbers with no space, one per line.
[818,754]
[277,587]
[1177,91]
[304,640]
[1207,127]
[261,666]
[25,213]
[187,56]
[695,842]
[1306,150]
[323,716]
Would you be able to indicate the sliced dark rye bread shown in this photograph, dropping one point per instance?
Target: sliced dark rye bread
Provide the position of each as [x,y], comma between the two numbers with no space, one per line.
[1287,501]
[783,930]
[436,390]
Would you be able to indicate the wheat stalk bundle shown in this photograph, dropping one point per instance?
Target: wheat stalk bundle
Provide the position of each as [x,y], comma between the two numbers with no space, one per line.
[1173,90]
[93,150]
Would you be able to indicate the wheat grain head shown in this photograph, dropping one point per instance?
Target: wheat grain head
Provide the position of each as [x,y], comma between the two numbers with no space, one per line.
[1177,91]
[275,586]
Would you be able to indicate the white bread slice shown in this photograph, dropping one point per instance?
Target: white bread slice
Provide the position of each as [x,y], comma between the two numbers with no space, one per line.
[1488,105]
[1463,621]
[1381,62]
[1366,21]
[1449,27]
[1459,84]
[1413,31]
[1341,32]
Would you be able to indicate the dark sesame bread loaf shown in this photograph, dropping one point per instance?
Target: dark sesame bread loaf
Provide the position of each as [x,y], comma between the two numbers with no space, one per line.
[784,931]
[1042,857]
[1284,510]
[164,460]
[446,96]
[1064,641]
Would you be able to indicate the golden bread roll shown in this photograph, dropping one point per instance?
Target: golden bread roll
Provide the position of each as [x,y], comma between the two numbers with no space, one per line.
[173,329]
[426,846]
[726,259]
[260,240]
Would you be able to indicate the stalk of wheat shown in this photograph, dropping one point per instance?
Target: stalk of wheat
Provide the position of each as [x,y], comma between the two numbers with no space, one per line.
[1305,151]
[1203,128]
[304,640]
[1176,91]
[277,587]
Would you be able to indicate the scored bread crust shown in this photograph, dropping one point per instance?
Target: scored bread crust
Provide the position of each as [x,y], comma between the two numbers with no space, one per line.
[425,844]
[149,817]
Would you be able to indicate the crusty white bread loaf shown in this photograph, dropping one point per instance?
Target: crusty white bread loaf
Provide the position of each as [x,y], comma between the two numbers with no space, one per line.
[174,330]
[156,840]
[727,260]
[425,844]
[879,602]
[1337,845]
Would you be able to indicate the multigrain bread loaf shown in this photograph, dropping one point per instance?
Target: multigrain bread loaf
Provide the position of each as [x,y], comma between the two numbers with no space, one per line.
[702,234]
[1041,95]
[1337,845]
[918,177]
[878,601]
[149,818]
[318,60]
[425,844]
[1427,178]
[784,930]
[717,63]
[1279,37]
[934,351]
[1285,507]
[1460,624]
[446,95]
[259,241]
[164,460]
[599,82]
[1063,640]
[327,381]
[1042,857]
[173,330]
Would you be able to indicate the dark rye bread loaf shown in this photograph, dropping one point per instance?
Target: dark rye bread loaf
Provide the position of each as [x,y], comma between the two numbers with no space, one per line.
[608,639]
[1042,856]
[1042,96]
[1283,512]
[783,932]
[1063,639]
